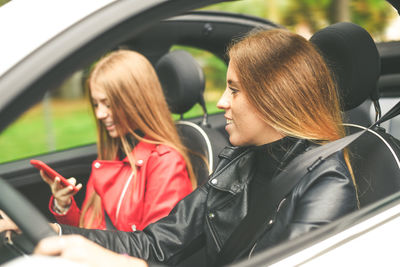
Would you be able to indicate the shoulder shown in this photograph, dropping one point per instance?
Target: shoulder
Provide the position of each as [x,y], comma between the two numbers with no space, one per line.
[162,152]
[150,148]
[162,149]
[326,193]
[332,176]
[146,151]
[333,164]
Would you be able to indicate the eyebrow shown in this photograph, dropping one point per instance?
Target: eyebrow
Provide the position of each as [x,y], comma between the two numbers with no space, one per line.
[100,100]
[233,83]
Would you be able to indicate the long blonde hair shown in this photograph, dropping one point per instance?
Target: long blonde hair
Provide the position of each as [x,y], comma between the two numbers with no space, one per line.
[290,85]
[137,103]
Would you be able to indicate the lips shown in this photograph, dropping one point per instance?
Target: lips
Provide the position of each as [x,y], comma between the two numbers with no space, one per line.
[229,123]
[109,125]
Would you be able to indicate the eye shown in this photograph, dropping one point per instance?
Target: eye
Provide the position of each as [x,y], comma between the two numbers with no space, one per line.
[233,90]
[95,105]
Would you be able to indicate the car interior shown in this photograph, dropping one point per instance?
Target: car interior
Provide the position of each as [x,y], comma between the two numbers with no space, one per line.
[183,83]
[368,82]
[190,30]
[354,58]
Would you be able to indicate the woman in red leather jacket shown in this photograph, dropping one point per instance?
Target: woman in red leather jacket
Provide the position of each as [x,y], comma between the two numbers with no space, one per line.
[142,169]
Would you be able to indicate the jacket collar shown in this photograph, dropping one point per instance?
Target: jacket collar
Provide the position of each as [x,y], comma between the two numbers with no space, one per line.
[141,152]
[234,170]
[231,173]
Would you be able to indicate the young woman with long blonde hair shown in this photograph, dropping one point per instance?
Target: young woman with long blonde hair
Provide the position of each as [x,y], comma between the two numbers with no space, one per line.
[142,169]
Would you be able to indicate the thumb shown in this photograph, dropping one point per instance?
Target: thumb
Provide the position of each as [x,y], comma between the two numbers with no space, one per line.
[50,246]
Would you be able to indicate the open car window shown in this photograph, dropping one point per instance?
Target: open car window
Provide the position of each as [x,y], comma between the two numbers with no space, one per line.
[62,120]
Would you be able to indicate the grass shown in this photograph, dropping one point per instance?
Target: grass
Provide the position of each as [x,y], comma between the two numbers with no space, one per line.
[69,123]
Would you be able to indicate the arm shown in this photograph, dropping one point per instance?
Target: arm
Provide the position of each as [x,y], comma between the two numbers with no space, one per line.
[71,217]
[167,182]
[169,240]
[81,250]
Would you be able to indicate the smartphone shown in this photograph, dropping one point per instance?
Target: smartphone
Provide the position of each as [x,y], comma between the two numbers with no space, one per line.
[52,173]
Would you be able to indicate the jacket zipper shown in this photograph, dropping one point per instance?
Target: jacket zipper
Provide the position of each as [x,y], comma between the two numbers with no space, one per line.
[213,235]
[122,195]
[252,249]
[255,244]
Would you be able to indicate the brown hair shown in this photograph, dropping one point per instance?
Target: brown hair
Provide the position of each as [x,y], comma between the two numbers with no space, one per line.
[289,84]
[137,103]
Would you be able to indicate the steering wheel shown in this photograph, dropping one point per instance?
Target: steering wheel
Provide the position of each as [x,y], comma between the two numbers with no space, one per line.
[32,223]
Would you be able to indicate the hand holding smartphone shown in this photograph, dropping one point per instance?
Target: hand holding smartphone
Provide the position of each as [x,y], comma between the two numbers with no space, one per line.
[52,174]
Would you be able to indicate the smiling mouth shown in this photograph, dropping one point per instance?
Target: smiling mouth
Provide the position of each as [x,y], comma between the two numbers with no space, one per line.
[109,125]
[228,121]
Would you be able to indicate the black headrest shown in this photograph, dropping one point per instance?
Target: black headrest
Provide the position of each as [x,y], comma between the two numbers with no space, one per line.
[352,55]
[182,79]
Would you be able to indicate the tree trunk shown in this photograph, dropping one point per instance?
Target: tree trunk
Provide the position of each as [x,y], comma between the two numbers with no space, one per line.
[339,11]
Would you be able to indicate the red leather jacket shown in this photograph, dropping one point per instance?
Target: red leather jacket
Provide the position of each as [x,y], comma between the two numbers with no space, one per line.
[134,201]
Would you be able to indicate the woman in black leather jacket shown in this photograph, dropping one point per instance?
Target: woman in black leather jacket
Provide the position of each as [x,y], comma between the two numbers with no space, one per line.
[280,101]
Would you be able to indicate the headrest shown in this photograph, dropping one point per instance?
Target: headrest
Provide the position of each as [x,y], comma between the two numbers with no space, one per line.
[182,80]
[352,55]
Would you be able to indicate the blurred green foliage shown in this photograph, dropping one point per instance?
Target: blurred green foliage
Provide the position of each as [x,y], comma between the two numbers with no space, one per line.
[72,125]
[373,15]
[2,2]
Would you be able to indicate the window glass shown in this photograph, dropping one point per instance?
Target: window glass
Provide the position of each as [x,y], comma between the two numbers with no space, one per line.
[62,120]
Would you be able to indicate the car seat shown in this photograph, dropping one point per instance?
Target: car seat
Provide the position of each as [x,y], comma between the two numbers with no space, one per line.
[389,82]
[183,82]
[353,58]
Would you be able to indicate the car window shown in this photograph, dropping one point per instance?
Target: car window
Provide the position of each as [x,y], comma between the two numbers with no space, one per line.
[215,74]
[62,120]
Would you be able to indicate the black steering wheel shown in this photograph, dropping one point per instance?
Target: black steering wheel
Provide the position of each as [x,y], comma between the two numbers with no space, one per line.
[32,223]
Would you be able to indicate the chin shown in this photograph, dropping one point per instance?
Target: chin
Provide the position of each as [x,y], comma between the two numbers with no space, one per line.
[113,135]
[235,142]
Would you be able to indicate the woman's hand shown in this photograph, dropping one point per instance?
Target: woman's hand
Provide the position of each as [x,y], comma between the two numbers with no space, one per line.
[6,224]
[62,194]
[81,250]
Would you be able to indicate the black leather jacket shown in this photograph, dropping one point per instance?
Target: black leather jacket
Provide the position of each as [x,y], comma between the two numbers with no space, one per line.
[208,216]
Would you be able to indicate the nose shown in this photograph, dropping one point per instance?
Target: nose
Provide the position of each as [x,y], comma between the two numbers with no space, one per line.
[101,112]
[224,101]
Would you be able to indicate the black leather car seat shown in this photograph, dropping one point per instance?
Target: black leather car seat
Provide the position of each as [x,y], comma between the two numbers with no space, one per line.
[353,57]
[183,82]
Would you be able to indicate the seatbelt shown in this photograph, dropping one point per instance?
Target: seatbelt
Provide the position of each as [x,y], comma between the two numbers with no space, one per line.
[260,219]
